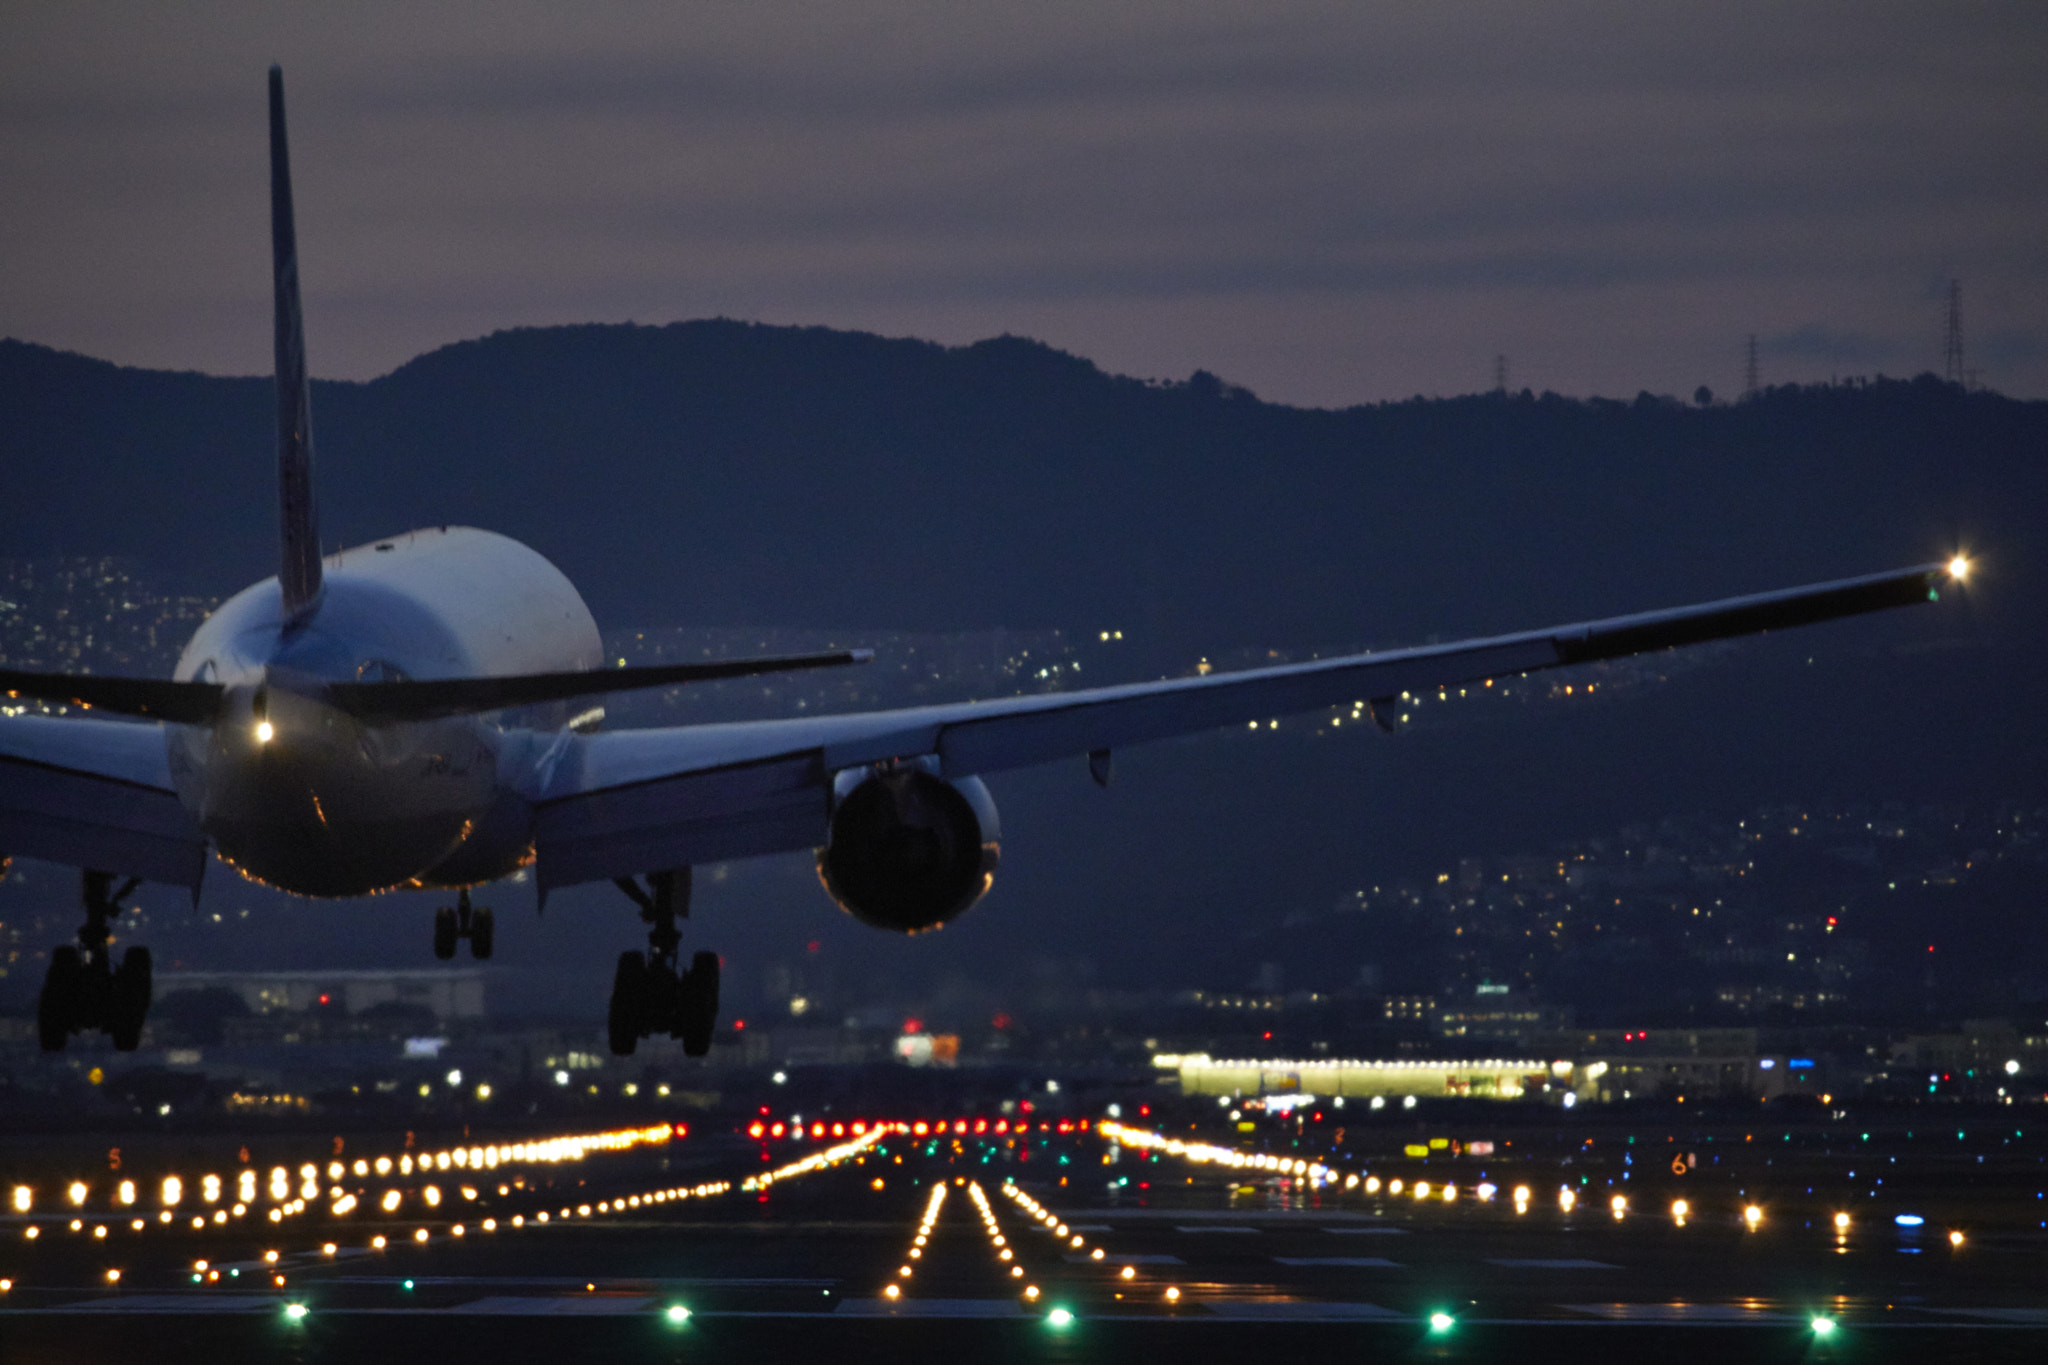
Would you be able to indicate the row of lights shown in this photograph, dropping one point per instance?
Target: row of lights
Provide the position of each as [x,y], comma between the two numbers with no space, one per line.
[1051,1222]
[1567,1198]
[932,1204]
[213,1189]
[816,1161]
[204,1272]
[797,1130]
[999,1244]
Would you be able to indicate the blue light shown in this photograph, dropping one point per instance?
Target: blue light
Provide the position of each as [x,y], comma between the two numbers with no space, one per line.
[1799,1063]
[1909,1220]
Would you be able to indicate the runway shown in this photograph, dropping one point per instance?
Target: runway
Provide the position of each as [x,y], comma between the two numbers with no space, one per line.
[1052,1246]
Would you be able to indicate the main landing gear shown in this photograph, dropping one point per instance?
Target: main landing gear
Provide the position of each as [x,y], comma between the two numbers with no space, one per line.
[458,921]
[648,995]
[83,989]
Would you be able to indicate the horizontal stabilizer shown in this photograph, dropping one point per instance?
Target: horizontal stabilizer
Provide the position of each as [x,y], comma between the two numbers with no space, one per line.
[427,699]
[188,703]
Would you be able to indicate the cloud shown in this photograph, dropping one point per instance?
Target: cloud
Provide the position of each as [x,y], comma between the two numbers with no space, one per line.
[1754,168]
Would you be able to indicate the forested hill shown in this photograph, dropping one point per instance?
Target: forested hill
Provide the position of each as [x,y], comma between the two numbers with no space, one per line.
[721,474]
[726,473]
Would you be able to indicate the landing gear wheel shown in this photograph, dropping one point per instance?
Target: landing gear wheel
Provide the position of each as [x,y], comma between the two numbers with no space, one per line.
[697,1007]
[628,1004]
[57,1007]
[482,929]
[446,931]
[128,1002]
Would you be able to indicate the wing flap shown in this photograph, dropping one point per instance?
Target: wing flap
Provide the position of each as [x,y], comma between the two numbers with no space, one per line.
[95,794]
[681,821]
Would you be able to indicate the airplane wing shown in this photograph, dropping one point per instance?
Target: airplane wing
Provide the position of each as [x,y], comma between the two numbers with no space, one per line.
[96,794]
[633,801]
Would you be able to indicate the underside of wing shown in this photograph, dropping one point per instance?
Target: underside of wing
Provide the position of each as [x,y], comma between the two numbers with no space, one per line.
[95,794]
[612,805]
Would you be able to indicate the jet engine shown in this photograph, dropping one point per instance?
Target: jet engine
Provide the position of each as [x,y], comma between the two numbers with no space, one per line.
[907,849]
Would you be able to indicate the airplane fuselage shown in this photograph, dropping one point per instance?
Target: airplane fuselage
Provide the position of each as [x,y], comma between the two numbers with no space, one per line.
[298,793]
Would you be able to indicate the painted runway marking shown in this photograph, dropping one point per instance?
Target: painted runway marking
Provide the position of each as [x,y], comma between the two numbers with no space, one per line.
[1562,1264]
[1677,1312]
[1083,1258]
[1367,1262]
[1303,1312]
[554,1305]
[177,1303]
[2028,1316]
[1367,1232]
[1246,1231]
[930,1308]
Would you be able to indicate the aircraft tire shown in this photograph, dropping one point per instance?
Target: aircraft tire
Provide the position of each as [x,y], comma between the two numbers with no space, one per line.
[697,1012]
[482,932]
[446,931]
[128,1006]
[629,987]
[57,1006]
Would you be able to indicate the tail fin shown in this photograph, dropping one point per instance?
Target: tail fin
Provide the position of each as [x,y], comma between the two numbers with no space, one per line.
[298,522]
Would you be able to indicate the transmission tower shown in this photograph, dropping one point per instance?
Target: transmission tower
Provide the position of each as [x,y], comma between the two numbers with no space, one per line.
[1749,379]
[1952,338]
[1500,374]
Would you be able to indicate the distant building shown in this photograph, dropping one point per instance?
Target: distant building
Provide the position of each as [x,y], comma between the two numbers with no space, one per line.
[451,994]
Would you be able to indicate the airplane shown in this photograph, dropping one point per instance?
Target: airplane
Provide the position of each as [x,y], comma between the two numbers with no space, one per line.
[396,715]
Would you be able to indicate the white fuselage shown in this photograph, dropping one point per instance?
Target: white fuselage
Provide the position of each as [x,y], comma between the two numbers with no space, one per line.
[323,804]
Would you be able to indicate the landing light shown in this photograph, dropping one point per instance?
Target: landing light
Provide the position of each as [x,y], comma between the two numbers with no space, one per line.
[264,734]
[1959,568]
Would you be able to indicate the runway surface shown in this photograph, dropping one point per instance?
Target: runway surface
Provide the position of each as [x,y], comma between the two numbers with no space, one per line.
[678,1247]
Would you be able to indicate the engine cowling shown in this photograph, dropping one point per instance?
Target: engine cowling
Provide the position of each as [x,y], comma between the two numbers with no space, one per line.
[908,850]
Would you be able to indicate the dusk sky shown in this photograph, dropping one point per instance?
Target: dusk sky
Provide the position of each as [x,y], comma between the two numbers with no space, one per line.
[1327,203]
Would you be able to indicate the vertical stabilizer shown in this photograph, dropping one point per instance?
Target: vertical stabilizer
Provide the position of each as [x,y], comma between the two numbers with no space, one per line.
[298,570]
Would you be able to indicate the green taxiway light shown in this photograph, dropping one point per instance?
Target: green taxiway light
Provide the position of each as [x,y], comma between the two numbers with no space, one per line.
[296,1312]
[1823,1327]
[678,1313]
[1060,1317]
[1441,1322]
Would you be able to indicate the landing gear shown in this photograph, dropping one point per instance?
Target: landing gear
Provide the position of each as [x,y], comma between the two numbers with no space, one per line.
[83,989]
[453,923]
[649,996]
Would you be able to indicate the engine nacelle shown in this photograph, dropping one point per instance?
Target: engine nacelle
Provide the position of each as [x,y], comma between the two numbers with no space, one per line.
[908,850]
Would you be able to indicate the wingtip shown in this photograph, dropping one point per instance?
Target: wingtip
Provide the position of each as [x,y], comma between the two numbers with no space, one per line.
[861,656]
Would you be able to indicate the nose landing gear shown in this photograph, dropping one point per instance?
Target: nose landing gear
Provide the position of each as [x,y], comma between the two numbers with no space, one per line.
[649,996]
[458,921]
[83,989]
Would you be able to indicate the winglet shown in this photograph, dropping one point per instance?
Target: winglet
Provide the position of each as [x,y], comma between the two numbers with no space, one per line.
[298,573]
